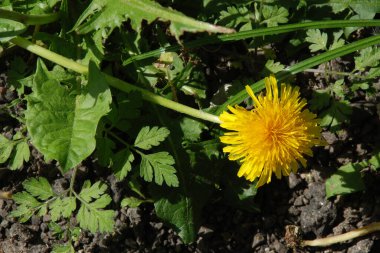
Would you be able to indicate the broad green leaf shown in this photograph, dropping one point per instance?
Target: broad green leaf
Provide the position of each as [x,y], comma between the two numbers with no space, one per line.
[148,137]
[192,129]
[161,164]
[122,163]
[336,114]
[21,155]
[320,100]
[375,161]
[39,188]
[6,147]
[346,180]
[131,202]
[369,57]
[91,216]
[182,207]
[10,29]
[274,15]
[62,125]
[317,39]
[102,14]
[104,147]
[62,208]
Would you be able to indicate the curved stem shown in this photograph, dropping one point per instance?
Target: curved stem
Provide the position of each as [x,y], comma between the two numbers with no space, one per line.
[343,237]
[114,82]
[29,19]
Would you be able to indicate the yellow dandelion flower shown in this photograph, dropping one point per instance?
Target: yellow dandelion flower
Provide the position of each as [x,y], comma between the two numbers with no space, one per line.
[273,136]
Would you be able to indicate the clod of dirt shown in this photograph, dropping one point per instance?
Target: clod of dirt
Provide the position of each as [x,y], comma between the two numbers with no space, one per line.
[319,213]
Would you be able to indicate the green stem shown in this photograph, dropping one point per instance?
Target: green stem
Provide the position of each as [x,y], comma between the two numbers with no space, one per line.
[72,180]
[114,82]
[29,19]
[255,33]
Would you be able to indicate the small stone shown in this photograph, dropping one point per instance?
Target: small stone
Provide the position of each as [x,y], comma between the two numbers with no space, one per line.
[258,239]
[293,181]
[298,201]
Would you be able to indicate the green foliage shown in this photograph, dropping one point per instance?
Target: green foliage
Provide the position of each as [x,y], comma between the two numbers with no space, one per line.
[67,136]
[161,164]
[33,200]
[15,151]
[111,14]
[131,202]
[10,29]
[375,161]
[274,15]
[369,57]
[91,215]
[346,180]
[168,159]
[40,199]
[317,39]
[148,137]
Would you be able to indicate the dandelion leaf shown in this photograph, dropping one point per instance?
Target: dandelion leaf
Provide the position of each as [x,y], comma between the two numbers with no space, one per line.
[346,180]
[103,14]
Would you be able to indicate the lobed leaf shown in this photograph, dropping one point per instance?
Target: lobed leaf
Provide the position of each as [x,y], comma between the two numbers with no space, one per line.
[274,15]
[91,216]
[148,137]
[161,164]
[6,147]
[62,208]
[94,191]
[369,57]
[39,188]
[317,39]
[21,155]
[131,202]
[122,163]
[103,14]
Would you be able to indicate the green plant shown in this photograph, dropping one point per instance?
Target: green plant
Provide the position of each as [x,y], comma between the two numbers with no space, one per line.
[114,67]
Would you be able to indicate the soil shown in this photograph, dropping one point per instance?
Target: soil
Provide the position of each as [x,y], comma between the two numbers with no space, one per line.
[297,200]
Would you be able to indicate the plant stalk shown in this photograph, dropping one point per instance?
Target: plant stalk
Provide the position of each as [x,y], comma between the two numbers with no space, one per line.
[29,19]
[114,82]
[343,237]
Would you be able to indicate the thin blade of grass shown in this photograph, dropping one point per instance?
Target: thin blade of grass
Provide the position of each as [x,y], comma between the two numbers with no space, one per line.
[254,33]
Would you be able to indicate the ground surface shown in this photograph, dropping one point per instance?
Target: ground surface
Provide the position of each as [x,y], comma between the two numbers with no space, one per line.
[298,200]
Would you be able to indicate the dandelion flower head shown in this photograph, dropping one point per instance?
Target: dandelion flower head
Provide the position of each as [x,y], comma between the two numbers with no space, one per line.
[273,136]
